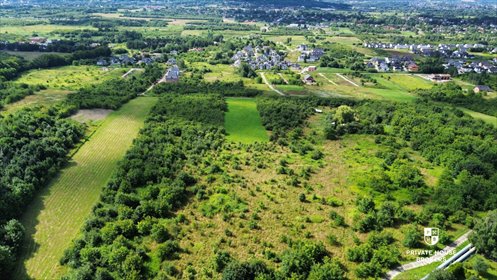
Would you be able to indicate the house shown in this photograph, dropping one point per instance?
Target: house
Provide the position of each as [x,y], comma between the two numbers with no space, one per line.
[312,68]
[102,62]
[172,74]
[412,67]
[302,47]
[308,79]
[482,89]
[440,77]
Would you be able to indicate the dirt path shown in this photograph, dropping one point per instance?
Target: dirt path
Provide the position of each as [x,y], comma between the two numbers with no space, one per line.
[285,80]
[326,78]
[346,79]
[437,257]
[129,72]
[271,86]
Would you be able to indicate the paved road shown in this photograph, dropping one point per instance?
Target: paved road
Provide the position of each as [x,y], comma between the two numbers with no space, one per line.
[271,86]
[412,265]
[351,82]
[330,81]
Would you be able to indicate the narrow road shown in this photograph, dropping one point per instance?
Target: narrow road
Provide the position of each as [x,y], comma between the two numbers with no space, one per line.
[435,258]
[271,86]
[326,78]
[346,79]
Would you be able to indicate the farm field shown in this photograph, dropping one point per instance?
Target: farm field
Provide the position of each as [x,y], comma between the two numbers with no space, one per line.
[57,214]
[40,98]
[243,123]
[70,77]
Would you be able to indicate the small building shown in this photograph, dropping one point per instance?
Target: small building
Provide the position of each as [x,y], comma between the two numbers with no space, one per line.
[308,79]
[440,77]
[172,74]
[312,68]
[482,89]
[412,67]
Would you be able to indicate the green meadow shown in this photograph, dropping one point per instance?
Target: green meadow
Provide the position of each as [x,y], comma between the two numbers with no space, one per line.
[243,123]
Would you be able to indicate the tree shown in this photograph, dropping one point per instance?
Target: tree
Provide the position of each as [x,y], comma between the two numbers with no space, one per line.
[345,114]
[301,257]
[412,237]
[480,266]
[484,237]
[441,274]
[331,269]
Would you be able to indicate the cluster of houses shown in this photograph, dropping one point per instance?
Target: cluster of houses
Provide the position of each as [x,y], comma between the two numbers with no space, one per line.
[262,58]
[445,50]
[309,55]
[396,63]
[125,59]
[463,66]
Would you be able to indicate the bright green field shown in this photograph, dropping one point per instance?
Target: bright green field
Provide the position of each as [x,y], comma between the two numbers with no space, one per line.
[243,123]
[57,214]
[70,77]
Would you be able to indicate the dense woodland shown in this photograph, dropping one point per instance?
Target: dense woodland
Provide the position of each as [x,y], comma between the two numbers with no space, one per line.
[33,147]
[114,93]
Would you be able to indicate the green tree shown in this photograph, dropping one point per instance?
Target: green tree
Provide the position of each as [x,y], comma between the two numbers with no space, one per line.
[484,237]
[411,237]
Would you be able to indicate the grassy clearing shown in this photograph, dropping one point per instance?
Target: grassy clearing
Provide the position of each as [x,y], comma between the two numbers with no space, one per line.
[477,115]
[70,77]
[30,56]
[40,29]
[243,122]
[227,73]
[55,217]
[41,98]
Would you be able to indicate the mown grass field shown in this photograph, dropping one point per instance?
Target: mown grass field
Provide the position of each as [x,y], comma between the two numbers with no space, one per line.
[70,77]
[57,214]
[243,123]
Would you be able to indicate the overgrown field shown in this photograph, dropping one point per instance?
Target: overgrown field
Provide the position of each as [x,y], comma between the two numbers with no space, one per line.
[55,217]
[70,77]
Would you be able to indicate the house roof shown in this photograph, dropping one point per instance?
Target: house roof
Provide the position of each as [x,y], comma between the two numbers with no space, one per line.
[483,88]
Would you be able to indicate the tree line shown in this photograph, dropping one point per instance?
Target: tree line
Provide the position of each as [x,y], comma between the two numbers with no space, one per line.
[33,147]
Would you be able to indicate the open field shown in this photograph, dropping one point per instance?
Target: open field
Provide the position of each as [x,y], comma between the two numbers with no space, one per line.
[227,73]
[57,214]
[477,115]
[42,30]
[243,123]
[42,98]
[32,55]
[70,77]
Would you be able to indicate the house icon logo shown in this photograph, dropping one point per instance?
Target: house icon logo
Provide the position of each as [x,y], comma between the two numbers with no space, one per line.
[431,236]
